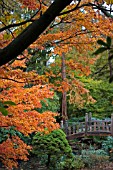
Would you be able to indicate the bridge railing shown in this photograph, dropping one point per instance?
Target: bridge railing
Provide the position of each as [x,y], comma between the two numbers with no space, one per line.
[89,126]
[75,128]
[98,125]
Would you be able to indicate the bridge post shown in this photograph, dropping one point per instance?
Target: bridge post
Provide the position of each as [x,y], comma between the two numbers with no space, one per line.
[66,127]
[89,120]
[90,116]
[112,124]
[86,123]
[61,124]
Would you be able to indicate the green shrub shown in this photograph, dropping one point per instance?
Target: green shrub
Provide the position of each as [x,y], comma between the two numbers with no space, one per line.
[93,157]
[52,149]
[72,164]
[107,145]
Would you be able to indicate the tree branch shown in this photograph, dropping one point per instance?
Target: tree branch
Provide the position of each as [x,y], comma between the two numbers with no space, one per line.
[23,22]
[32,32]
[15,25]
[71,10]
[11,80]
[100,69]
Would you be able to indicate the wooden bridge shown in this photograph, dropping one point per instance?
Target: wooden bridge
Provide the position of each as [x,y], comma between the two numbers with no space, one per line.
[88,128]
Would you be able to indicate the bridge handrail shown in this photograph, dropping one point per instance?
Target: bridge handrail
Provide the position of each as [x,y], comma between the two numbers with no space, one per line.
[100,120]
[89,125]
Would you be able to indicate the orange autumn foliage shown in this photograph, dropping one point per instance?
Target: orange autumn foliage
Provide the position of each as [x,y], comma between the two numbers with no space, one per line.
[79,94]
[22,116]
[13,149]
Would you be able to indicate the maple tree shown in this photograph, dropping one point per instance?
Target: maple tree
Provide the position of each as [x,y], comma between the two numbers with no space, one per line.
[26,90]
[77,24]
[22,115]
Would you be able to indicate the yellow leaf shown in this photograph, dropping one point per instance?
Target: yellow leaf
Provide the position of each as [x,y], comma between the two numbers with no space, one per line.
[109,1]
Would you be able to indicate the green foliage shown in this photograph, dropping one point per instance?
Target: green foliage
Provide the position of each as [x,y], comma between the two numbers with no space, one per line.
[91,150]
[6,133]
[76,119]
[4,105]
[107,145]
[52,148]
[100,70]
[50,104]
[72,164]
[98,140]
[9,103]
[3,111]
[52,143]
[100,42]
[105,46]
[100,50]
[38,60]
[102,92]
[93,157]
[78,163]
[108,41]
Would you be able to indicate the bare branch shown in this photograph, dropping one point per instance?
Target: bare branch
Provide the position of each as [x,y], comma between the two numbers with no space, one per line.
[15,25]
[100,69]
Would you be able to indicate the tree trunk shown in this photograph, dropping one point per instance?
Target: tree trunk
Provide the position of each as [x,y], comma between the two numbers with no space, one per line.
[48,161]
[64,102]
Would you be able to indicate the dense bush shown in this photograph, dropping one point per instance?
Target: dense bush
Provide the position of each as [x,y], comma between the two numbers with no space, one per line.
[72,164]
[107,145]
[92,157]
[52,149]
